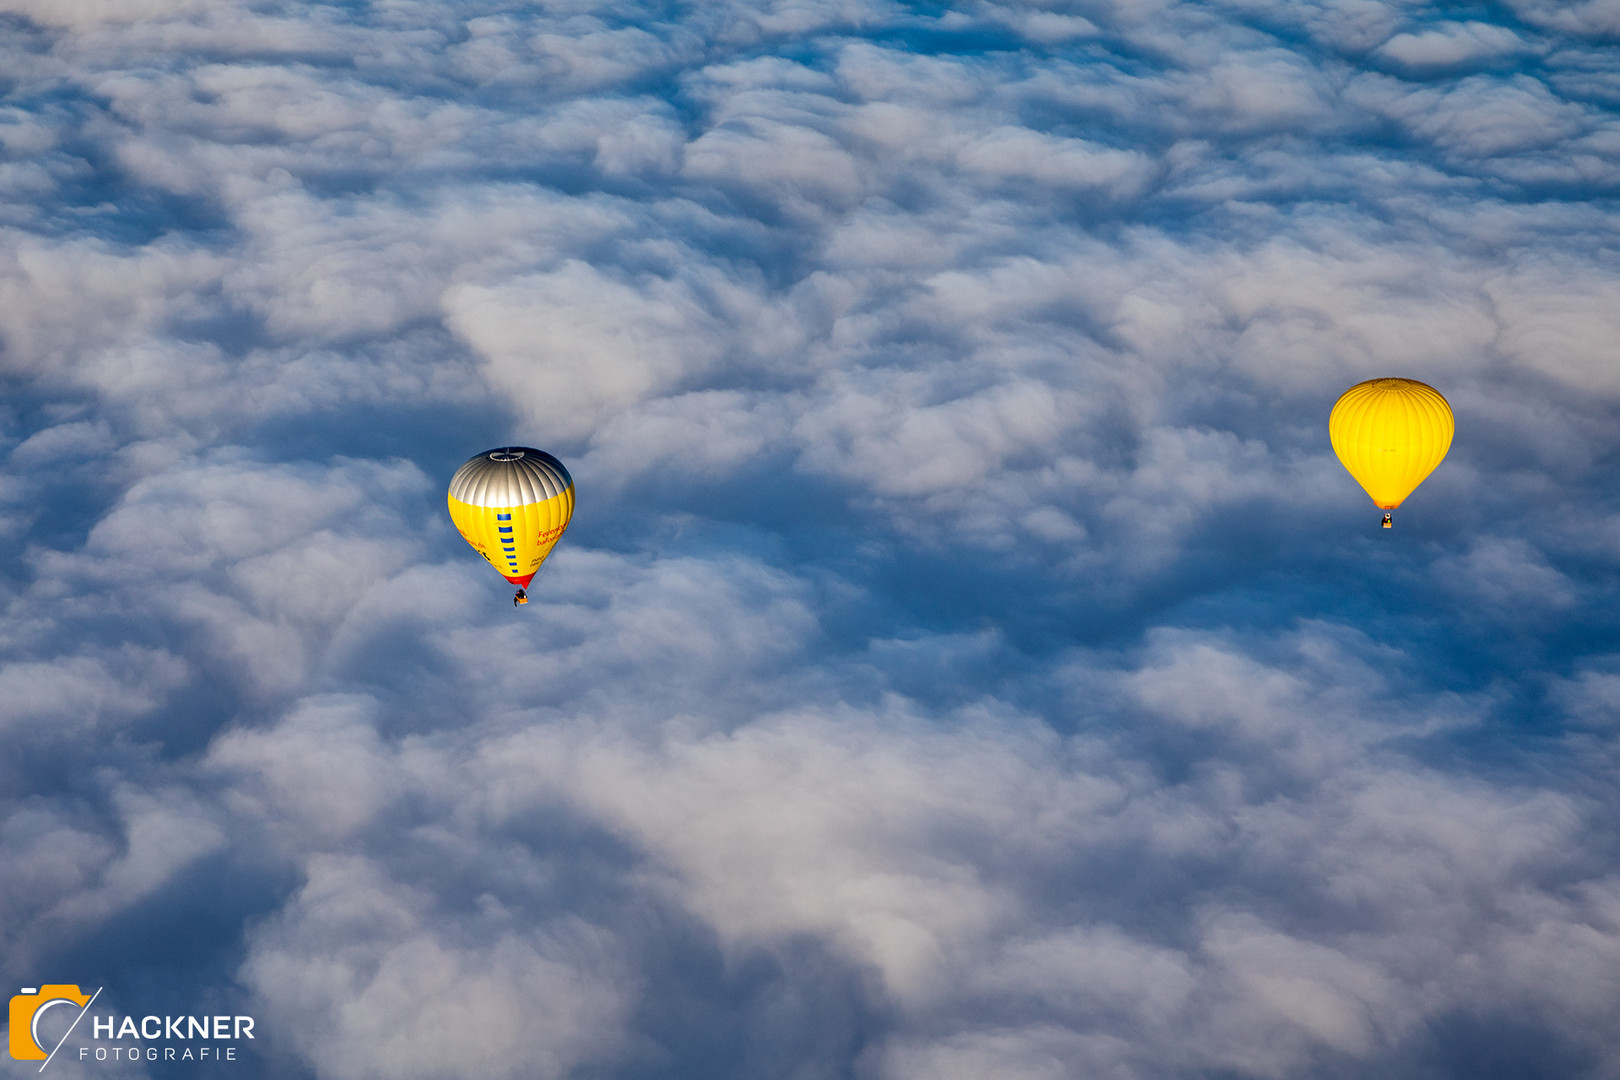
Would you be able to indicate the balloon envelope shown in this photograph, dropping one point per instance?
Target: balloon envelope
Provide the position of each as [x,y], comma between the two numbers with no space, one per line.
[1390,434]
[512,505]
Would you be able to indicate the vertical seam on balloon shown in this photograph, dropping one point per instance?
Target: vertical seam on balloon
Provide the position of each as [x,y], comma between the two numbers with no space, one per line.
[1402,405]
[1442,410]
[1413,435]
[1448,424]
[1365,425]
[1431,432]
[1431,439]
[1366,435]
[1378,435]
[1420,413]
[1417,437]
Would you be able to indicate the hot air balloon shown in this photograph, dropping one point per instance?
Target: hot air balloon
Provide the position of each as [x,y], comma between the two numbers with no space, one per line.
[1390,434]
[512,505]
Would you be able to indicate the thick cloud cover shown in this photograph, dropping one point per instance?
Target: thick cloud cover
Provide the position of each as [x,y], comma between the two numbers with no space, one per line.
[968,659]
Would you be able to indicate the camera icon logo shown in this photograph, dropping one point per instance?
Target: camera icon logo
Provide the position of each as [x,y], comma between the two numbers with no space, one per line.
[30,1006]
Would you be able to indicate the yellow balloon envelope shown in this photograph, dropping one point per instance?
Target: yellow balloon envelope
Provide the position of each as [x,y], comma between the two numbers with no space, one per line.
[1390,434]
[512,505]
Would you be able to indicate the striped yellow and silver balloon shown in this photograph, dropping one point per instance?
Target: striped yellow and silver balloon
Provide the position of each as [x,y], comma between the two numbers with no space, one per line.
[1390,434]
[512,505]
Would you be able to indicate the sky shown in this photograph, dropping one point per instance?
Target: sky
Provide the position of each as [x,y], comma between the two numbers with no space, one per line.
[967,658]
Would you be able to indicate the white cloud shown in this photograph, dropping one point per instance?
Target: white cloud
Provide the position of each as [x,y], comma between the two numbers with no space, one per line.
[1598,20]
[82,14]
[60,698]
[926,850]
[253,559]
[1450,45]
[319,768]
[62,301]
[374,982]
[1507,577]
[1478,118]
[576,348]
[967,657]
[1014,153]
[66,873]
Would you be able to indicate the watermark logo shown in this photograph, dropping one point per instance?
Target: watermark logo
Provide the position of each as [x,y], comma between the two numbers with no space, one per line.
[113,1036]
[30,1007]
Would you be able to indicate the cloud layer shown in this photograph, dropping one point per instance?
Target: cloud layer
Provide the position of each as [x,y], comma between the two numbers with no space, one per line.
[967,659]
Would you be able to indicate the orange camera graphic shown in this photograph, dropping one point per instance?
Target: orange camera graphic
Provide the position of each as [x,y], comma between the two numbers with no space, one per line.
[30,1006]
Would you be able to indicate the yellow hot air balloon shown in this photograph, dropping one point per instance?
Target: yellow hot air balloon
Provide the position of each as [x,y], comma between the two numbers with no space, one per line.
[1390,434]
[512,505]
